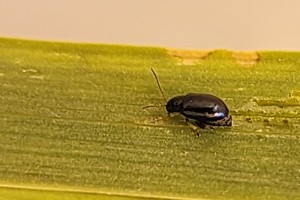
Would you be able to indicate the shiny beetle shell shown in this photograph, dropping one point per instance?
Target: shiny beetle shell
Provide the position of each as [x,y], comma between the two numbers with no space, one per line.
[205,109]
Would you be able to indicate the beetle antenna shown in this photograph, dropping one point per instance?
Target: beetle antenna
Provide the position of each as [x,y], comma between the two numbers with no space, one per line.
[153,106]
[157,81]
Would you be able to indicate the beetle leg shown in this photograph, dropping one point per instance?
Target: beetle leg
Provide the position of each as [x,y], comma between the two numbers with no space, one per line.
[173,114]
[187,120]
[193,127]
[201,125]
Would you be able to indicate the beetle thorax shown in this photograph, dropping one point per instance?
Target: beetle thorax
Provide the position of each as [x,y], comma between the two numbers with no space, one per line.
[174,104]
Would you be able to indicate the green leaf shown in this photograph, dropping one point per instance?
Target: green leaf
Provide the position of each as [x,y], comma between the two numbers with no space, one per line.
[71,117]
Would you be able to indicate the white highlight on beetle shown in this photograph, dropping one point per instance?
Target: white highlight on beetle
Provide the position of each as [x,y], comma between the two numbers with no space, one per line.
[219,114]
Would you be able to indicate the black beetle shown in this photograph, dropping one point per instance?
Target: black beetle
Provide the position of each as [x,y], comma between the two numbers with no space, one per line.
[203,109]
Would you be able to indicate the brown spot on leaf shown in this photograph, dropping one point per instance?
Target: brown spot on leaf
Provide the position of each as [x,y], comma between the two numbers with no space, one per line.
[188,57]
[246,58]
[191,57]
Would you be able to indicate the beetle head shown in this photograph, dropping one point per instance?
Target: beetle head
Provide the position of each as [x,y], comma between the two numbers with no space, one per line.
[174,104]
